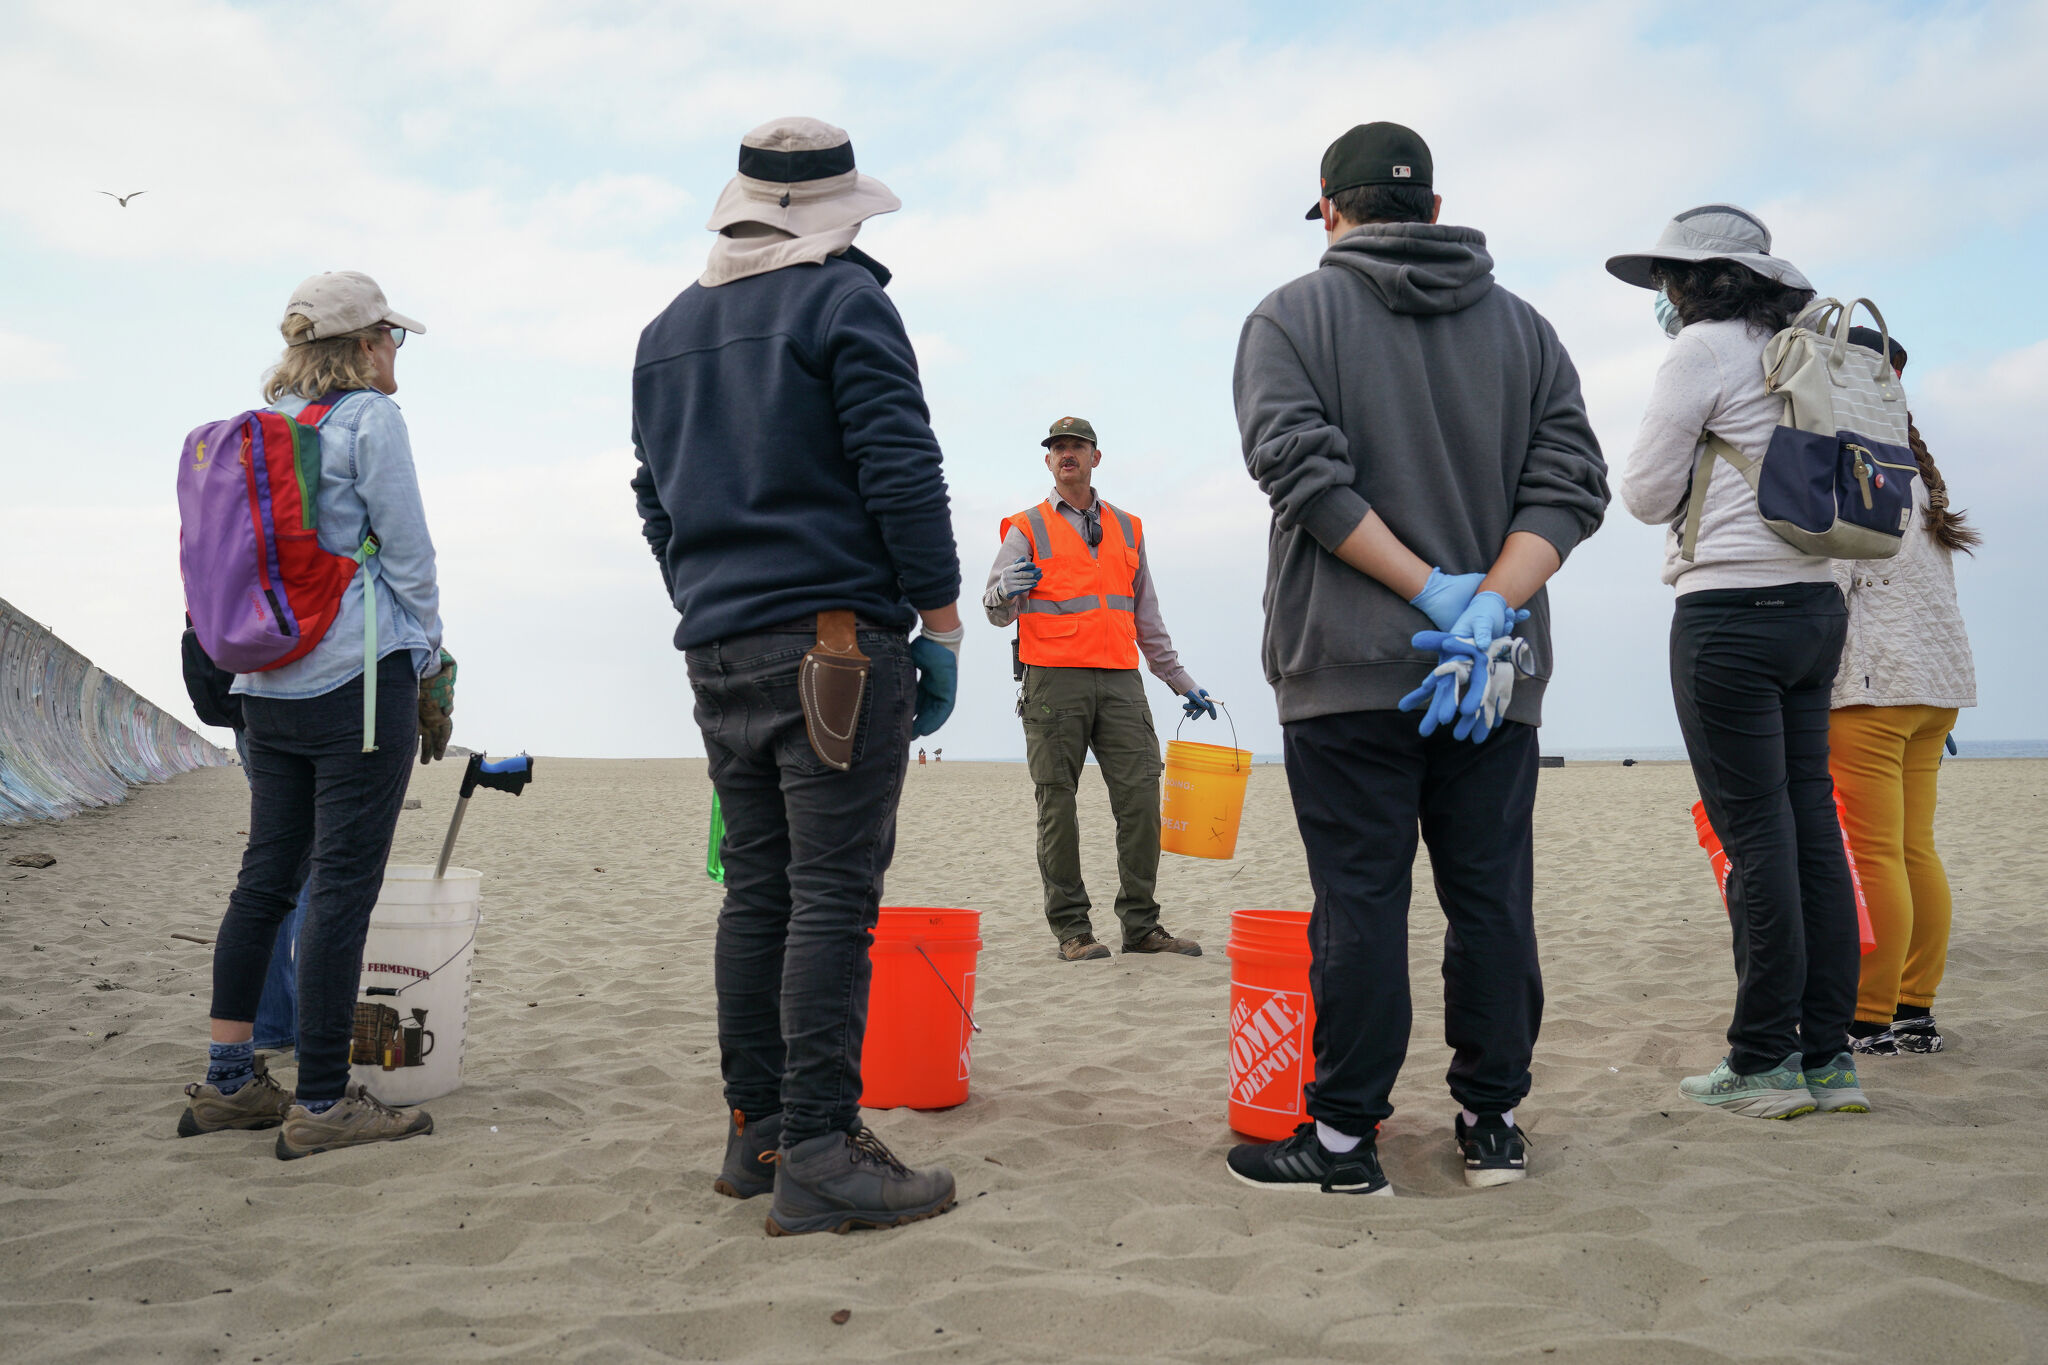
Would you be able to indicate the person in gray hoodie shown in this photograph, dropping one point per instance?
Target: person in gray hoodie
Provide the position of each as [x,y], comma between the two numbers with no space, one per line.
[1421,437]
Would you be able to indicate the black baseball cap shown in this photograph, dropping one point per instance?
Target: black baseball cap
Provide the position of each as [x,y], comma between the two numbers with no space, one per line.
[1374,154]
[1872,339]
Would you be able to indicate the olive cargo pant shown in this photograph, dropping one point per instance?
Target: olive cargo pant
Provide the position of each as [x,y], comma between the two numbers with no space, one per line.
[1067,712]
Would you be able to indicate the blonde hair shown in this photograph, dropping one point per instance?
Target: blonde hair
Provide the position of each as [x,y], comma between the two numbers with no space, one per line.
[314,369]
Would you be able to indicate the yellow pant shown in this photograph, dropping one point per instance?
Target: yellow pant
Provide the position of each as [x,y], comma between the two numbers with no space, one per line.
[1885,759]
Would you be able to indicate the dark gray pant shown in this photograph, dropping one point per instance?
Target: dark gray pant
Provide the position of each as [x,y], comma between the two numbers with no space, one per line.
[1363,783]
[805,850]
[1067,712]
[1752,671]
[316,801]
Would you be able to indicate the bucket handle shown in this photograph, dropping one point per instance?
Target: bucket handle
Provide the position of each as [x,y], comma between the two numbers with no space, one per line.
[1235,762]
[947,984]
[474,921]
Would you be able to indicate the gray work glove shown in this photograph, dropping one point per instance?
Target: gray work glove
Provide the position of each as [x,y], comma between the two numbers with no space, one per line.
[1018,578]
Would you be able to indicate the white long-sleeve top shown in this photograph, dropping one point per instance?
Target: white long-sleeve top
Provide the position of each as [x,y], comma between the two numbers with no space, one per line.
[1907,645]
[1712,380]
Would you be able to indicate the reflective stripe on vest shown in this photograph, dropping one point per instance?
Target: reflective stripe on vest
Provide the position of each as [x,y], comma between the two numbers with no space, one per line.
[1082,612]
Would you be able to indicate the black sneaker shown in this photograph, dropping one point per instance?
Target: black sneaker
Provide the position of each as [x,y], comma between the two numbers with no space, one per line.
[749,1155]
[1883,1043]
[1917,1033]
[842,1181]
[1495,1151]
[1303,1163]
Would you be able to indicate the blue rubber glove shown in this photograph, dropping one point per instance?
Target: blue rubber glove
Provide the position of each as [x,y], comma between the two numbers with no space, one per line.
[1197,703]
[1445,596]
[1487,617]
[1437,698]
[937,656]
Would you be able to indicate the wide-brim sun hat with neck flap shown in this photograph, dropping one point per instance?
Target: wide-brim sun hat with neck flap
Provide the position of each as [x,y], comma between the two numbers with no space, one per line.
[797,174]
[1710,232]
[344,301]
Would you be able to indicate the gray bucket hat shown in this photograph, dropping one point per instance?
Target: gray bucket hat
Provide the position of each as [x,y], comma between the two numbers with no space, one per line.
[1711,232]
[797,174]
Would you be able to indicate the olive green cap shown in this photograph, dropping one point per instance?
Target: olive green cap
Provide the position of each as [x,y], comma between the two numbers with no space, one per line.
[1070,426]
[1374,154]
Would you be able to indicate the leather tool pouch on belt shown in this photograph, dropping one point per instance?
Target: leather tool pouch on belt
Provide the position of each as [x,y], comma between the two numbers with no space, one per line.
[830,681]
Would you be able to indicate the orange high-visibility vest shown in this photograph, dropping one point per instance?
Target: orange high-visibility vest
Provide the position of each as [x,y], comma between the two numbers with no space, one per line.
[1083,613]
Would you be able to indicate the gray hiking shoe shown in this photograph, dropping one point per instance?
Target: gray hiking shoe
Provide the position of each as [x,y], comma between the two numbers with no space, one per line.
[1834,1089]
[1157,940]
[842,1181]
[749,1156]
[358,1119]
[1779,1093]
[260,1103]
[1082,948]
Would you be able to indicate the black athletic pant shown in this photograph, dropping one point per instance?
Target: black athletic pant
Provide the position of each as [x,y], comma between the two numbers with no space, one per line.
[1363,782]
[1752,670]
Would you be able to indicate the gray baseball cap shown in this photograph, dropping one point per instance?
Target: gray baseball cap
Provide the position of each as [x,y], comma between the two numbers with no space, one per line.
[1711,232]
[343,301]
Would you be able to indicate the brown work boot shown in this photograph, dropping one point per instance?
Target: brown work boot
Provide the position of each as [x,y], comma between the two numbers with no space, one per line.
[260,1103]
[1082,948]
[358,1119]
[1157,940]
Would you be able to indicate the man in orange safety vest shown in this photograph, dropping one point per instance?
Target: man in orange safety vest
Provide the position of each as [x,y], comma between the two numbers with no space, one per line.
[1072,575]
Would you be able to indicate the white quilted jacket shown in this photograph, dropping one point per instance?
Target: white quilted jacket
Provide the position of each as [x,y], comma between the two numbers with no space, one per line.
[1907,645]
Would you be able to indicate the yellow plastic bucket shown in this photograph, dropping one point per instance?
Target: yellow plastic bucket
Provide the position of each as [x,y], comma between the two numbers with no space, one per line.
[1202,799]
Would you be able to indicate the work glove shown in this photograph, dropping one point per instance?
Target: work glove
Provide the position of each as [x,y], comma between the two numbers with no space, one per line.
[1485,618]
[1018,578]
[1197,703]
[937,656]
[1445,596]
[1439,694]
[1486,701]
[437,711]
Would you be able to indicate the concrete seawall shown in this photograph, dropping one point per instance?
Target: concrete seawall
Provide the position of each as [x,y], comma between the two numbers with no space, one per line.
[71,736]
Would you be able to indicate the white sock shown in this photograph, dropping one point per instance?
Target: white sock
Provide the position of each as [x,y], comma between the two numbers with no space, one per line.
[1472,1119]
[1334,1141]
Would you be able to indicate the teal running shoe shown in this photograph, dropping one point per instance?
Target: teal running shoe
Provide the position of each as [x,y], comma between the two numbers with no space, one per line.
[1779,1093]
[1834,1087]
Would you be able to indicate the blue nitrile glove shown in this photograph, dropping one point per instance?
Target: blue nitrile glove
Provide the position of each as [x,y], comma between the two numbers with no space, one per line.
[937,656]
[1445,596]
[1197,703]
[1018,578]
[1486,702]
[1488,615]
[1437,698]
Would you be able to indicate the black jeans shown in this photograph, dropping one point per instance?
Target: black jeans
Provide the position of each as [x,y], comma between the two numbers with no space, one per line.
[1363,781]
[805,850]
[1751,671]
[315,798]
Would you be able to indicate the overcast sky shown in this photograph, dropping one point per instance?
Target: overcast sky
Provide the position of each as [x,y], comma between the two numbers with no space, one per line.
[1092,205]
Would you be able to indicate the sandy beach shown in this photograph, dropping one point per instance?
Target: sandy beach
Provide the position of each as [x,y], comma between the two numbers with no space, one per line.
[562,1209]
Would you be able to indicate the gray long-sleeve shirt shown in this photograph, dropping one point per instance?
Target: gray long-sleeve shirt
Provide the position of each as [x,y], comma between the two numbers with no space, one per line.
[1153,641]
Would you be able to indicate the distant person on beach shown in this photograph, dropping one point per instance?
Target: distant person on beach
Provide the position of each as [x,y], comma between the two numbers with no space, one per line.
[1421,437]
[1072,573]
[211,689]
[315,792]
[790,487]
[1906,670]
[1755,641]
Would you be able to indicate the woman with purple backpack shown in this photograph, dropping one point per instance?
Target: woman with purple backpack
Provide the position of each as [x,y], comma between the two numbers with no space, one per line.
[327,768]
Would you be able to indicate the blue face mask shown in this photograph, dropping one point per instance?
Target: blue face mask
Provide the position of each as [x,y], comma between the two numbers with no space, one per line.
[1667,314]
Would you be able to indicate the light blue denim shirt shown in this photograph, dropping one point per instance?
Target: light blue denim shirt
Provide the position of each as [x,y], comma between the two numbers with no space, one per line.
[367,484]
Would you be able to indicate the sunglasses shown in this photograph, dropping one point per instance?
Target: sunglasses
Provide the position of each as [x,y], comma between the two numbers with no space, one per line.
[397,335]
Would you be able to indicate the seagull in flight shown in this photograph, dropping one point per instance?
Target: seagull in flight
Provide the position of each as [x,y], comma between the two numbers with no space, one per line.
[122,199]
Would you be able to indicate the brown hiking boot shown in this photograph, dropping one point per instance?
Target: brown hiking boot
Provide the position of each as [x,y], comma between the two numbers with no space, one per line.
[1157,940]
[1082,948]
[358,1119]
[260,1103]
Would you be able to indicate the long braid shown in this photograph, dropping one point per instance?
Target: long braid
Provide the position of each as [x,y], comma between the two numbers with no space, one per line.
[1948,528]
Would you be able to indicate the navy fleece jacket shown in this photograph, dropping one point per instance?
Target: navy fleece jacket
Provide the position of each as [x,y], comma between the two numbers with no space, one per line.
[787,462]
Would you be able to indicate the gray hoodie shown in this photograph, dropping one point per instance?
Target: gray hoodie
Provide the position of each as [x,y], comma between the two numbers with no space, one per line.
[1399,377]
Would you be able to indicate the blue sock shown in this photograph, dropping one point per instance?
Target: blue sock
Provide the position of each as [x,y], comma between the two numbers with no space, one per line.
[318,1106]
[230,1066]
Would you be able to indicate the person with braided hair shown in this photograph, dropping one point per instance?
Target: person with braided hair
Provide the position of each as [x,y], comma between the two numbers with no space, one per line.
[1906,670]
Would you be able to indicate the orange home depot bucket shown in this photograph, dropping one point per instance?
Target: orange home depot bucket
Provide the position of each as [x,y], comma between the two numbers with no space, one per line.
[1202,799]
[1272,1022]
[1717,859]
[920,1004]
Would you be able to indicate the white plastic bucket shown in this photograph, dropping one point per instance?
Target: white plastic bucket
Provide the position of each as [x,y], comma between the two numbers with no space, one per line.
[412,1006]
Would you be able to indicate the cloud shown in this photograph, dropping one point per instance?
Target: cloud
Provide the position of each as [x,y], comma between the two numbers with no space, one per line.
[31,360]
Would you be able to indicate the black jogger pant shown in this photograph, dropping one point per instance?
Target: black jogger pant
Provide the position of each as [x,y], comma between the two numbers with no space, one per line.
[1363,781]
[1752,670]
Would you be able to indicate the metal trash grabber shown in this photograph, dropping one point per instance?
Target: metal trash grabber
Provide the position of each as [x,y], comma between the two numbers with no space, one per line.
[503,774]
